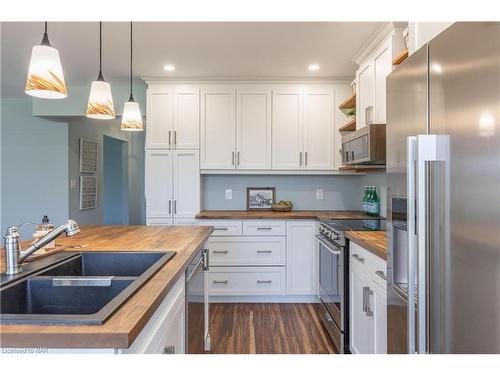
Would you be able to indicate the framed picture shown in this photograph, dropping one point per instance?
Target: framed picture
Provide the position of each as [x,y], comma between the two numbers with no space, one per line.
[88,156]
[260,198]
[88,192]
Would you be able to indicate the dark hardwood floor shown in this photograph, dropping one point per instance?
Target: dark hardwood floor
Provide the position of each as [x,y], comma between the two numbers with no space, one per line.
[267,328]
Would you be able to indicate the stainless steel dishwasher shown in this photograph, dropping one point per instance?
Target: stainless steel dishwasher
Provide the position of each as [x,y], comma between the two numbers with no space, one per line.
[197,306]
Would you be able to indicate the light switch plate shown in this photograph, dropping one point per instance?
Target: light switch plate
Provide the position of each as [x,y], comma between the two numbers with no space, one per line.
[319,194]
[229,194]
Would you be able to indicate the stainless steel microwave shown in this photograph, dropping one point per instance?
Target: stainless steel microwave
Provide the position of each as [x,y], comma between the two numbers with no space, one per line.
[364,146]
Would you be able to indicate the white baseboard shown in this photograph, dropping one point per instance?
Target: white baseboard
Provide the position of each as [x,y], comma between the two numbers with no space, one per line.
[263,299]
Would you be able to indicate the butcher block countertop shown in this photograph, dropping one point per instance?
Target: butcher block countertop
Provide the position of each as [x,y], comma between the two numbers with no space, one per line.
[120,330]
[373,241]
[304,215]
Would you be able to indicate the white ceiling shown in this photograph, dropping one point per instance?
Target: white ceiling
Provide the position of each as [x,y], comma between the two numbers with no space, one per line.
[252,50]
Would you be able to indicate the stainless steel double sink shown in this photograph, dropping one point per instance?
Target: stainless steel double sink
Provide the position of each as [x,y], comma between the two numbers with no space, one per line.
[76,287]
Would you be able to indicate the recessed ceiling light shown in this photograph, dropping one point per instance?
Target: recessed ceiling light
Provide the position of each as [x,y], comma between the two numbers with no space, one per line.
[313,67]
[169,67]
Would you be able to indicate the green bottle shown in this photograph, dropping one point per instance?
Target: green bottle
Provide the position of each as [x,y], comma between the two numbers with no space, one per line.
[365,201]
[376,203]
[369,201]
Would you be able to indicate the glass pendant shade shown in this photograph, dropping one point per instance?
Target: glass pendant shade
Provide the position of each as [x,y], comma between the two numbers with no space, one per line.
[131,118]
[100,105]
[45,75]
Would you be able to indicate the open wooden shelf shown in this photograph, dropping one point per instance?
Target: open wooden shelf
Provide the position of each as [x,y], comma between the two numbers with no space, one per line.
[401,57]
[349,127]
[349,102]
[362,168]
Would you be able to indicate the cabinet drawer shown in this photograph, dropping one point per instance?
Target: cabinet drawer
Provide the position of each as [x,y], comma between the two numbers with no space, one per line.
[372,265]
[247,251]
[264,228]
[245,281]
[224,227]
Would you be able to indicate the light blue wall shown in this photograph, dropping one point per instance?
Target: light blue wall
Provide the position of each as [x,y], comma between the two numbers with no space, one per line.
[82,127]
[340,192]
[115,181]
[34,166]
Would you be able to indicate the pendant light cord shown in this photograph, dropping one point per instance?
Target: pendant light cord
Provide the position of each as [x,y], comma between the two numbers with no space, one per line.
[45,39]
[131,96]
[100,47]
[45,27]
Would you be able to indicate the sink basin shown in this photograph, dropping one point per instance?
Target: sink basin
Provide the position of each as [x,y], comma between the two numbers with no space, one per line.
[98,263]
[84,288]
[39,297]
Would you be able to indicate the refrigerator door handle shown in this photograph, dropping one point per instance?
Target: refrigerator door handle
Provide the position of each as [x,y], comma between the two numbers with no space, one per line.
[410,180]
[429,148]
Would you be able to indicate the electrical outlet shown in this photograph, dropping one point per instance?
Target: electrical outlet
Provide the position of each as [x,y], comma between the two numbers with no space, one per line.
[229,194]
[319,194]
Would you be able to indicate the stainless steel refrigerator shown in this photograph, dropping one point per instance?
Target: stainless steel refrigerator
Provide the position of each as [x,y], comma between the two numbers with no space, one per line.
[443,175]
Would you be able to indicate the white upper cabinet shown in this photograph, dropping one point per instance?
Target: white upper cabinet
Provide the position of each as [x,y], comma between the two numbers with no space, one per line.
[253,128]
[159,185]
[287,128]
[159,118]
[186,184]
[173,117]
[186,129]
[371,79]
[364,96]
[218,127]
[319,128]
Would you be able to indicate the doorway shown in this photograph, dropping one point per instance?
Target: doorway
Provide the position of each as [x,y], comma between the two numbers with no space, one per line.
[115,181]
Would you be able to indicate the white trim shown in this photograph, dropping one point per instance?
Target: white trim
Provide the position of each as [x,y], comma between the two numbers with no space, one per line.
[264,299]
[379,36]
[279,172]
[238,81]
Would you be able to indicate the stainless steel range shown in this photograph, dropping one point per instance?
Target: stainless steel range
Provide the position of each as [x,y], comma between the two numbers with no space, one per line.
[333,255]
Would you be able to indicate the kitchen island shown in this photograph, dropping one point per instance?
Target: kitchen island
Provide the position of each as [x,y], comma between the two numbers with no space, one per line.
[125,325]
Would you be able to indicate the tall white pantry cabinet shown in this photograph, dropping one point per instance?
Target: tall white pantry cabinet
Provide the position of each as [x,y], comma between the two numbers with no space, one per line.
[172,154]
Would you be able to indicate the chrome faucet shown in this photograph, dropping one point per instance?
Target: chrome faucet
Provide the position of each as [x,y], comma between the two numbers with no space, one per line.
[14,256]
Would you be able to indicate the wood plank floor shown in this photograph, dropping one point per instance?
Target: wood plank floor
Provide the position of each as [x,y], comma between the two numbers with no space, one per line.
[267,328]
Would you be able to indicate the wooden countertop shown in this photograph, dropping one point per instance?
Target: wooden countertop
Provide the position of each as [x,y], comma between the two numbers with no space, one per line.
[305,215]
[373,241]
[120,330]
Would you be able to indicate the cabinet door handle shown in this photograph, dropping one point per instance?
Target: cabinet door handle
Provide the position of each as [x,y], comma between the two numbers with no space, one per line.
[264,281]
[300,159]
[169,206]
[264,251]
[220,251]
[169,137]
[264,228]
[232,158]
[367,292]
[305,159]
[352,154]
[220,281]
[358,258]
[175,137]
[368,115]
[175,206]
[169,349]
[381,274]
[220,228]
[238,158]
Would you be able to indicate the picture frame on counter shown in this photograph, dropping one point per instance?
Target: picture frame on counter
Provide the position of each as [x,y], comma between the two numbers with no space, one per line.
[260,198]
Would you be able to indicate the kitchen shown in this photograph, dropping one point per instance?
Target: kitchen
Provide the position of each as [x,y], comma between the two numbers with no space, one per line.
[220,196]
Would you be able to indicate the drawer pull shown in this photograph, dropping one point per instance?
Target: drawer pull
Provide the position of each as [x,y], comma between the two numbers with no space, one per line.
[358,258]
[220,281]
[264,281]
[264,228]
[221,228]
[220,251]
[381,274]
[264,251]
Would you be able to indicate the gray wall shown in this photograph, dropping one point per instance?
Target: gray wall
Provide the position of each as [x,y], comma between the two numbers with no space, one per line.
[82,127]
[34,166]
[340,192]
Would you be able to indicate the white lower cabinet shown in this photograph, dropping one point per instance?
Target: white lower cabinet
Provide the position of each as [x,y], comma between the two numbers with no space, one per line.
[165,331]
[301,267]
[367,302]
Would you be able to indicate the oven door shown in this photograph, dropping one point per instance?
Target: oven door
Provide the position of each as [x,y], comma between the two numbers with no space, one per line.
[331,279]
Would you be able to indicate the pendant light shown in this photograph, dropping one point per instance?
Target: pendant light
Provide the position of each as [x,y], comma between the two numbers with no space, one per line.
[100,105]
[45,75]
[131,118]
